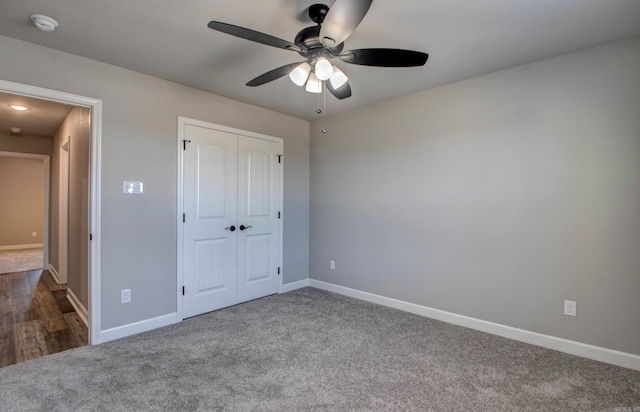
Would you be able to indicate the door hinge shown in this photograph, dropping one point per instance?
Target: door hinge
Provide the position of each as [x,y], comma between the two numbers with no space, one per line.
[184,144]
[278,215]
[90,236]
[279,158]
[278,270]
[183,291]
[184,217]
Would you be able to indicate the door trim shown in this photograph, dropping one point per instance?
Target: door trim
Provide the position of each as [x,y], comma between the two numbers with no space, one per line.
[182,122]
[47,181]
[95,146]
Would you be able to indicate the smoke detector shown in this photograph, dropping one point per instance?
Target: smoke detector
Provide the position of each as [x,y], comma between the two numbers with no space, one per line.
[44,23]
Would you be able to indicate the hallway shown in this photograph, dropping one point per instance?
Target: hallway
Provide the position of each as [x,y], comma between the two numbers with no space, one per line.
[21,260]
[36,318]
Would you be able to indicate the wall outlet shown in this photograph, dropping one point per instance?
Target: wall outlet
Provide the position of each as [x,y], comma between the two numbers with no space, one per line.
[332,264]
[34,234]
[125,296]
[570,308]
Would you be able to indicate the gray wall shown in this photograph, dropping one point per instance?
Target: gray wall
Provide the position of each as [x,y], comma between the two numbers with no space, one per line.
[22,186]
[495,197]
[139,135]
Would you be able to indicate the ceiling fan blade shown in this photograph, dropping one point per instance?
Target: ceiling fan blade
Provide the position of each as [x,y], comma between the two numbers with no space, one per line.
[273,75]
[342,93]
[341,20]
[385,57]
[252,35]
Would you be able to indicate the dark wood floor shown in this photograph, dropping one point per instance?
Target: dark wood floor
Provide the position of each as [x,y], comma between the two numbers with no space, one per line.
[36,319]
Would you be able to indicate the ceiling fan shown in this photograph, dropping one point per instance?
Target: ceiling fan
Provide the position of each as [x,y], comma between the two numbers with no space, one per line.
[323,42]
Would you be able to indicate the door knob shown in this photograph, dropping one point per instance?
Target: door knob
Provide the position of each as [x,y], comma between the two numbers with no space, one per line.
[243,227]
[231,228]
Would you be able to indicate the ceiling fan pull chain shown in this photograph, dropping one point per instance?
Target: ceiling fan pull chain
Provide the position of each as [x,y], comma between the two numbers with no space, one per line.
[324,108]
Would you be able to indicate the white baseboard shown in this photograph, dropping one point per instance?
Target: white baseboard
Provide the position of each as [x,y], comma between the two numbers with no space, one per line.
[626,360]
[54,273]
[18,247]
[78,306]
[137,327]
[294,285]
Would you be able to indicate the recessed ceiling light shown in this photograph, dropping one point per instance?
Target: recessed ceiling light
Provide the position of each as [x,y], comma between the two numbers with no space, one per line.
[44,23]
[18,107]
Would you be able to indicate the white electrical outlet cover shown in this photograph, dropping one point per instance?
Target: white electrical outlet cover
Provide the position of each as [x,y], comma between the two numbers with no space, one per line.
[570,308]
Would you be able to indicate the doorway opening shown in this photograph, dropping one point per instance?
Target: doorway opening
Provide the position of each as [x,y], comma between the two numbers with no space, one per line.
[86,215]
[24,188]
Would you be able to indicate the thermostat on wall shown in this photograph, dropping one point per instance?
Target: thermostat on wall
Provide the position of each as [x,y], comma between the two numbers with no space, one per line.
[132,188]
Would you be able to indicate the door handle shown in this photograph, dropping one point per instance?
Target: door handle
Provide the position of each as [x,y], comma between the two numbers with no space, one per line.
[243,227]
[231,228]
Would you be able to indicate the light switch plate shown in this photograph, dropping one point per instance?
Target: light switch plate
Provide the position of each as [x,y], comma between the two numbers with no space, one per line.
[132,188]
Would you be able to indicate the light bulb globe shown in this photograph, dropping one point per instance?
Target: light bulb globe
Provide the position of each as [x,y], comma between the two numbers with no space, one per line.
[338,78]
[314,85]
[323,69]
[300,74]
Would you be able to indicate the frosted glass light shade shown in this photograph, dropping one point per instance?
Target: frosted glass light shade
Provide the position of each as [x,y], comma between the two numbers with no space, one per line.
[338,78]
[313,84]
[323,69]
[300,74]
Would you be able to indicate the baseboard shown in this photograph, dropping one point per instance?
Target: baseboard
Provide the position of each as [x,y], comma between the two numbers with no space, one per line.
[78,306]
[137,327]
[54,273]
[626,360]
[18,247]
[294,285]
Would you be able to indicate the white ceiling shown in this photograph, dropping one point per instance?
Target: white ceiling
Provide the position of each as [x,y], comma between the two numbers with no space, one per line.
[42,119]
[170,39]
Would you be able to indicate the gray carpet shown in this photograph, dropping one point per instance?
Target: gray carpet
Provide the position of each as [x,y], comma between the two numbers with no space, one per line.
[22,260]
[313,350]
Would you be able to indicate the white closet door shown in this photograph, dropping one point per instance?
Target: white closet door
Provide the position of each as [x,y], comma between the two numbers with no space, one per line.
[258,207]
[210,207]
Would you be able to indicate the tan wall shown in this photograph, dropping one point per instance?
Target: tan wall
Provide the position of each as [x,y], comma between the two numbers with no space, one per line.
[22,189]
[75,128]
[25,144]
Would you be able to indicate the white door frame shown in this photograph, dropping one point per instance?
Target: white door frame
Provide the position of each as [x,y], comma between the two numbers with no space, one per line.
[45,230]
[94,191]
[182,121]
[63,211]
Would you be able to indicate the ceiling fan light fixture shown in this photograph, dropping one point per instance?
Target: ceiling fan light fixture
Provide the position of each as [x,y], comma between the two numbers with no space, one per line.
[323,69]
[314,85]
[338,78]
[300,74]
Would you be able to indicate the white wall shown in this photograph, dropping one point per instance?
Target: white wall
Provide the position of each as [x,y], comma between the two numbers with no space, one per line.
[139,142]
[495,197]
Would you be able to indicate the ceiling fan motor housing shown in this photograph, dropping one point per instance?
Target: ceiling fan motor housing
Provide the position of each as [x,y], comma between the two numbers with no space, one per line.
[309,41]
